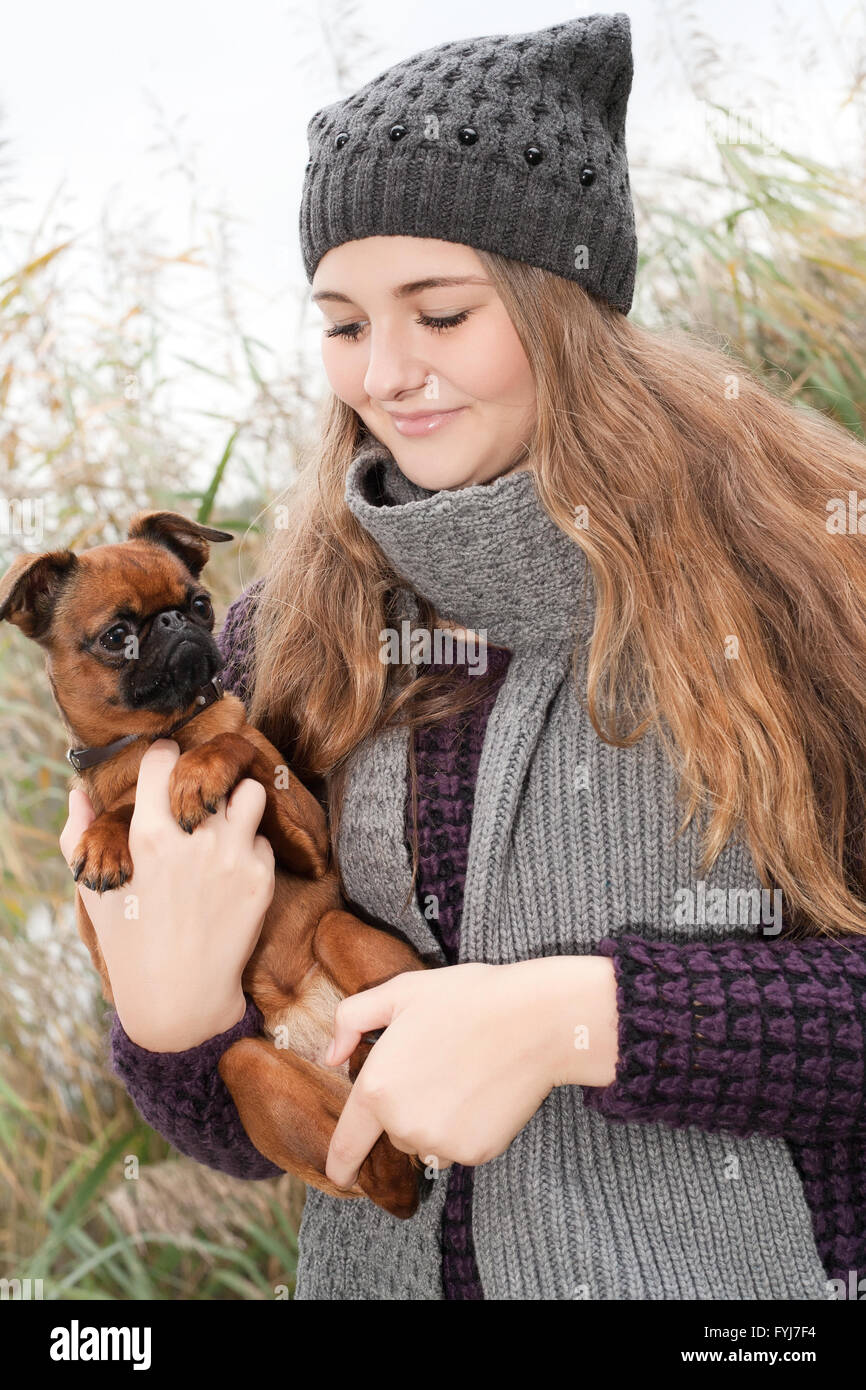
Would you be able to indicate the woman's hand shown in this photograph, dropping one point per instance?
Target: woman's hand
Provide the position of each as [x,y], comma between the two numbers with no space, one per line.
[176,936]
[468,1056]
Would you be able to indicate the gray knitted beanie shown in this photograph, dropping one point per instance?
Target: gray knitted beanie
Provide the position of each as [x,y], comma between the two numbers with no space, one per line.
[513,143]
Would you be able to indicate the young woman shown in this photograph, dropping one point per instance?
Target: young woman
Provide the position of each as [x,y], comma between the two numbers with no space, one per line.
[623,1084]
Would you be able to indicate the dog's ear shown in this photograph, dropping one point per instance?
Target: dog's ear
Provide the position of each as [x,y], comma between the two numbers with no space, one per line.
[30,588]
[185,538]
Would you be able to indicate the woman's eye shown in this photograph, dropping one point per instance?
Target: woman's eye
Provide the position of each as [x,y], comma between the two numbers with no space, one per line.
[345,330]
[114,637]
[352,331]
[429,321]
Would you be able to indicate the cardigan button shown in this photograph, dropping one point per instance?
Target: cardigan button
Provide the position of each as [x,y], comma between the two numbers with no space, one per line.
[587,176]
[397,132]
[467,135]
[340,140]
[533,155]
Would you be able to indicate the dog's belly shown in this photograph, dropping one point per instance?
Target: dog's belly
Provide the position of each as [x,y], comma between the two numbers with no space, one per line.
[306,1026]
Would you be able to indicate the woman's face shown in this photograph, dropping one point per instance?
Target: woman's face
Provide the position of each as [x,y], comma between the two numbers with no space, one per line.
[435,370]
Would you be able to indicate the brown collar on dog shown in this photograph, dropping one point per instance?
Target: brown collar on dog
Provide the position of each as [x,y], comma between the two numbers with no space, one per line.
[88,757]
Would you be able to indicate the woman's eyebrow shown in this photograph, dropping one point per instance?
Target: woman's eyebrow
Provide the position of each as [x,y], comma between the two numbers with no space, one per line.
[432,282]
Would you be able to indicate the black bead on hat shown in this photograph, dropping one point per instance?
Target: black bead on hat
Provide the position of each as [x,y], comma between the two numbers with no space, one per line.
[513,143]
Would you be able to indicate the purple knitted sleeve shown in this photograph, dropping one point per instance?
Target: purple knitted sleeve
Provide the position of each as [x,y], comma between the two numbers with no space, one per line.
[753,1038]
[235,641]
[181,1094]
[740,1036]
[183,1097]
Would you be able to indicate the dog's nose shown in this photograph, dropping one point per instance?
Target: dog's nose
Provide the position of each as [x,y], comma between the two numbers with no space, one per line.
[172,618]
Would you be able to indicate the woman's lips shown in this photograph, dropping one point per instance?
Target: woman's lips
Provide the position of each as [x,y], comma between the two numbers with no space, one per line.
[424,424]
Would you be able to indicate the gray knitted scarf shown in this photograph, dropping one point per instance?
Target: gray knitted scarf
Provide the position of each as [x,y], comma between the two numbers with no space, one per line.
[571,840]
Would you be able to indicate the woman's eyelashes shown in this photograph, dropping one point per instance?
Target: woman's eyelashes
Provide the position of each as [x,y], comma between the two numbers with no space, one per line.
[352,331]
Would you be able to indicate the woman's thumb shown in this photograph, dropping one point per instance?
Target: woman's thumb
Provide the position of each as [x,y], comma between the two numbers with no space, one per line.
[81,813]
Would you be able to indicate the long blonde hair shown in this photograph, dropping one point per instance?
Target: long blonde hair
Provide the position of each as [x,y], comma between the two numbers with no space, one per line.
[729,618]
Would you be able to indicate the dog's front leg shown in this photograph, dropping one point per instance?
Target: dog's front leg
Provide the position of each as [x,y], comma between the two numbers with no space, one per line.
[204,773]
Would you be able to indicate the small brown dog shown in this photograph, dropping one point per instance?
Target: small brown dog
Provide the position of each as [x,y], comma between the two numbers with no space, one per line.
[141,599]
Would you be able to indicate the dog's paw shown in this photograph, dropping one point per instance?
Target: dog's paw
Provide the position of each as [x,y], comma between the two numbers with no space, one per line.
[102,860]
[195,786]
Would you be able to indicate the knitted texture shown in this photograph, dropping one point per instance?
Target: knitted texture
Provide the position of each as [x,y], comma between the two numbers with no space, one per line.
[236,642]
[447,757]
[833,1171]
[572,840]
[512,143]
[753,1038]
[741,1036]
[184,1098]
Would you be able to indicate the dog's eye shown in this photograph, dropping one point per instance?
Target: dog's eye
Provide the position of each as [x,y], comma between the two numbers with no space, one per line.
[114,637]
[201,606]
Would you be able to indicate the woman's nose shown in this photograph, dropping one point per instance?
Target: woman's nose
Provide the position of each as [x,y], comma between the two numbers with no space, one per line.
[391,368]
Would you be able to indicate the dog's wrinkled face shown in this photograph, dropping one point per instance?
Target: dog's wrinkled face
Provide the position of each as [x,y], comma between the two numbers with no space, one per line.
[137,628]
[128,628]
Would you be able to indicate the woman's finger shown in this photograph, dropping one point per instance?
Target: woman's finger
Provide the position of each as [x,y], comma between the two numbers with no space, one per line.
[152,803]
[356,1132]
[245,807]
[360,1014]
[81,813]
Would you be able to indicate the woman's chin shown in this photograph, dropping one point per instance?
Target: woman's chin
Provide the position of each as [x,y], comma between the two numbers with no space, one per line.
[436,479]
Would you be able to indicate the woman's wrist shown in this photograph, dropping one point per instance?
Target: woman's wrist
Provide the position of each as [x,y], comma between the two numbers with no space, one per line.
[574,1007]
[177,1031]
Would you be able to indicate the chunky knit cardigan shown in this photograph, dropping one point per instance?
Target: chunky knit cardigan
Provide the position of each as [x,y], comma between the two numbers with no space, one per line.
[448,755]
[739,1037]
